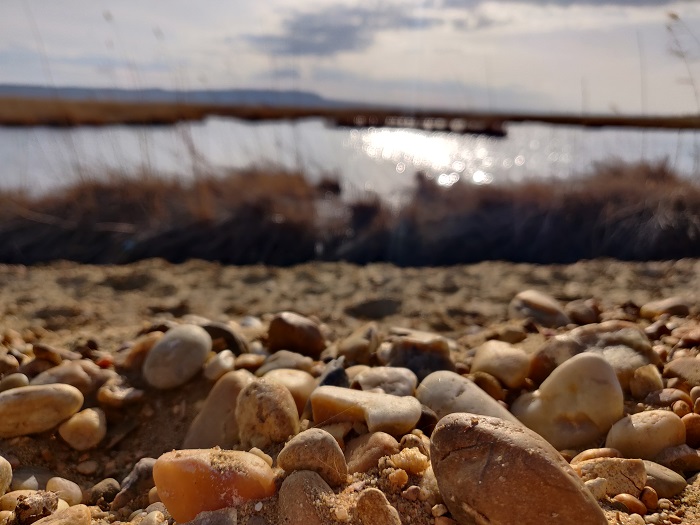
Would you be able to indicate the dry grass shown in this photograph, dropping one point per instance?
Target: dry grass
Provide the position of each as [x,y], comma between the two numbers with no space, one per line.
[627,211]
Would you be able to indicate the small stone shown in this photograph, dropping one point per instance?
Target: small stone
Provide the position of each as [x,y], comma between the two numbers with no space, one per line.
[177,357]
[84,430]
[650,498]
[266,414]
[396,381]
[75,515]
[582,311]
[297,498]
[291,331]
[410,460]
[13,381]
[225,337]
[218,365]
[622,475]
[631,503]
[598,487]
[87,467]
[381,412]
[692,429]
[251,362]
[372,508]
[645,380]
[646,434]
[102,492]
[153,518]
[494,470]
[68,373]
[299,383]
[5,475]
[422,355]
[447,392]
[316,450]
[542,308]
[191,481]
[507,363]
[216,422]
[594,453]
[363,453]
[225,516]
[135,486]
[139,349]
[671,306]
[686,369]
[32,409]
[359,347]
[118,396]
[682,409]
[284,359]
[664,481]
[666,397]
[576,405]
[66,490]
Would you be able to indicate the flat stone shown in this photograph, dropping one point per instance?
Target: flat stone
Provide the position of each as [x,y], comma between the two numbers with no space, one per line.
[396,381]
[364,452]
[646,434]
[373,508]
[490,470]
[32,409]
[576,405]
[266,414]
[84,430]
[5,475]
[216,423]
[378,308]
[507,363]
[671,306]
[75,515]
[177,357]
[13,381]
[192,481]
[685,368]
[294,332]
[624,476]
[298,496]
[447,392]
[381,412]
[666,482]
[316,450]
[299,383]
[540,307]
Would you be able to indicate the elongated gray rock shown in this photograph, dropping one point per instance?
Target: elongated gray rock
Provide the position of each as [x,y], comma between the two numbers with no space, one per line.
[490,471]
[32,409]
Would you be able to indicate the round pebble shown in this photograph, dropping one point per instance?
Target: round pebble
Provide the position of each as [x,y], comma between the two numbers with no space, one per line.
[317,450]
[218,365]
[507,363]
[84,430]
[32,409]
[66,490]
[177,357]
[298,496]
[291,331]
[645,434]
[5,475]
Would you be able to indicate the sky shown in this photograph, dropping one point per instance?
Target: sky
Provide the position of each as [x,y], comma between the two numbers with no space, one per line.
[590,56]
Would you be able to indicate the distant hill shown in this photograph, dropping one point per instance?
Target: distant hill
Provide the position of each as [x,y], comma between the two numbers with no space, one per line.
[252,97]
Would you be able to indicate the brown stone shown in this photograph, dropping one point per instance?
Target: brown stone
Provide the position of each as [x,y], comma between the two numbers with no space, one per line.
[316,450]
[374,509]
[298,496]
[291,331]
[363,453]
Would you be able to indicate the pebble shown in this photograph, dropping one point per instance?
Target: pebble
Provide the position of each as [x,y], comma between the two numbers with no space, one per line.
[190,481]
[68,373]
[32,409]
[583,311]
[666,482]
[266,414]
[177,357]
[623,475]
[381,412]
[13,381]
[422,355]
[87,467]
[75,515]
[115,395]
[218,365]
[631,503]
[666,397]
[102,492]
[216,423]
[671,306]
[680,458]
[299,383]
[692,429]
[66,489]
[646,434]
[645,380]
[598,487]
[5,475]
[685,368]
[447,392]
[363,452]
[153,518]
[576,405]
[650,498]
[507,363]
[225,516]
[360,345]
[372,508]
[396,381]
[139,349]
[35,505]
[84,430]
[294,332]
[593,453]
[491,470]
[317,450]
[540,307]
[284,359]
[297,498]
[489,384]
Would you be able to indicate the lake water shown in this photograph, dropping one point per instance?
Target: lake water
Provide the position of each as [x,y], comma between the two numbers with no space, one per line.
[378,160]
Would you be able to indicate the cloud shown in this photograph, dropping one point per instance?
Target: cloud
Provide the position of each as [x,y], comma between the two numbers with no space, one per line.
[566,3]
[338,29]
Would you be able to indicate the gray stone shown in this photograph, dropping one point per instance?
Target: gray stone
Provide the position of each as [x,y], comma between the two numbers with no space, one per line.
[390,380]
[177,357]
[666,482]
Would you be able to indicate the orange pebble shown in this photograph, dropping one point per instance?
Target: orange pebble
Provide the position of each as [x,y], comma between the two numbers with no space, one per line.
[192,481]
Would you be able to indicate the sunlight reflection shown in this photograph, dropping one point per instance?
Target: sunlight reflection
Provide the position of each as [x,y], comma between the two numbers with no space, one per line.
[480,177]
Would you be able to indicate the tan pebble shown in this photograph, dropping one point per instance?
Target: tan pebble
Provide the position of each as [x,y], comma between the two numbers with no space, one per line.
[410,460]
[84,430]
[645,380]
[297,497]
[341,514]
[69,373]
[650,498]
[5,475]
[543,308]
[190,481]
[681,408]
[138,351]
[153,518]
[265,457]
[373,509]
[695,393]
[315,450]
[692,430]
[594,453]
[13,381]
[298,382]
[9,500]
[118,396]
[75,515]
[31,409]
[395,380]
[218,365]
[665,504]
[438,510]
[633,505]
[363,453]
[488,384]
[646,434]
[507,363]
[62,504]
[598,487]
[339,431]
[671,305]
[266,414]
[635,519]
[88,467]
[65,489]
[177,357]
[411,493]
[153,496]
[250,362]
[666,397]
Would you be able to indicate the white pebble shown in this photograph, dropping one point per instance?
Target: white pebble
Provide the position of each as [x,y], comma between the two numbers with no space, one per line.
[258,506]
[65,489]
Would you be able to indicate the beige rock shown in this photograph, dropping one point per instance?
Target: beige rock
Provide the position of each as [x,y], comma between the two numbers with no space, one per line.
[447,392]
[75,515]
[299,383]
[598,487]
[593,453]
[359,347]
[116,395]
[623,475]
[190,481]
[645,380]
[266,413]
[5,475]
[646,434]
[68,373]
[576,405]
[507,363]
[65,489]
[490,470]
[392,380]
[31,409]
[216,423]
[363,453]
[177,357]
[286,360]
[316,450]
[291,331]
[381,412]
[671,306]
[373,509]
[543,308]
[218,365]
[84,430]
[298,496]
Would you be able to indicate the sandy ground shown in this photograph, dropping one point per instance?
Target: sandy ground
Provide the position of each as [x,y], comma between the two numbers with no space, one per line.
[67,305]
